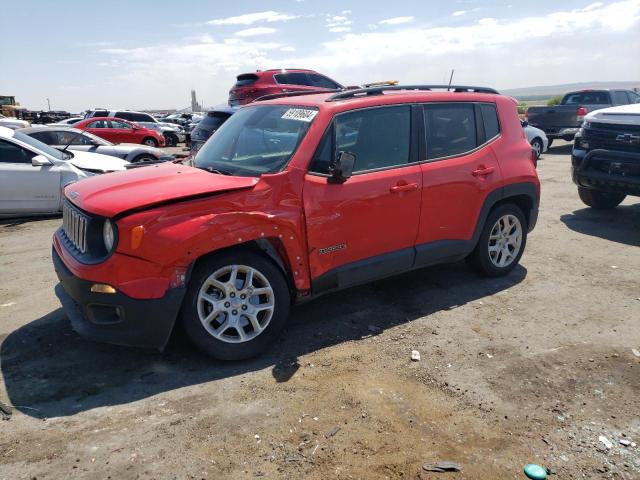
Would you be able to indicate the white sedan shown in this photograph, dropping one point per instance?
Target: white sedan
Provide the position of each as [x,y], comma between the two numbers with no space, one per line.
[33,174]
[538,140]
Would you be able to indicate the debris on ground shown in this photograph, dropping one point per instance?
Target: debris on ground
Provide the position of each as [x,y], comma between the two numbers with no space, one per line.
[606,442]
[332,432]
[535,472]
[440,467]
[6,411]
[636,352]
[415,355]
[625,442]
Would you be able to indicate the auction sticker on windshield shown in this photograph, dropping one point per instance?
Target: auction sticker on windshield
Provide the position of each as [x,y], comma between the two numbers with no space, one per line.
[300,114]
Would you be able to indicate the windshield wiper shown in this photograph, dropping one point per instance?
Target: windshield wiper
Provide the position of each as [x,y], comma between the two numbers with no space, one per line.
[215,170]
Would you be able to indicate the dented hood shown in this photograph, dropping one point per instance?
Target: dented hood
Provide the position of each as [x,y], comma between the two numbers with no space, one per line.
[115,193]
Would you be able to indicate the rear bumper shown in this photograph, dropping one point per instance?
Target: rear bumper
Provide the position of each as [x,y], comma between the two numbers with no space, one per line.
[116,318]
[622,176]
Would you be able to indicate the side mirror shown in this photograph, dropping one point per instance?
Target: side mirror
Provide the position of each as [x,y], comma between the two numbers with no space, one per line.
[40,161]
[342,169]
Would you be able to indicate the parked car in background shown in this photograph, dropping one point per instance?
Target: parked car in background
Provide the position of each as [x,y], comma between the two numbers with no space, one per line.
[605,160]
[117,130]
[52,116]
[13,123]
[536,137]
[33,174]
[250,86]
[68,121]
[69,138]
[563,120]
[211,121]
[293,198]
[172,133]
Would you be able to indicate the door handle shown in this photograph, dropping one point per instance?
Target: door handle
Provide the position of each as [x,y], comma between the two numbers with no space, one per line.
[482,171]
[404,187]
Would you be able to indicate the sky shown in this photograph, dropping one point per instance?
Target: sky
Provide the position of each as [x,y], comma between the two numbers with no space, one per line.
[150,54]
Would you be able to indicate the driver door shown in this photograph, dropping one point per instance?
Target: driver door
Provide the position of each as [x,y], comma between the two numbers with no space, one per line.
[366,227]
[25,188]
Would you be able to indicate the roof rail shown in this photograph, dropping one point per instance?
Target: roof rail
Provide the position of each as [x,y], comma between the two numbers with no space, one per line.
[293,94]
[380,90]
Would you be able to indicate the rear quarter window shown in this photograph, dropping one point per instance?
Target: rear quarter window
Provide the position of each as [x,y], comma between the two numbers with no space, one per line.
[490,120]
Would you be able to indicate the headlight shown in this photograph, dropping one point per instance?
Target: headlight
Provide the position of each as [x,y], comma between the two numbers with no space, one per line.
[108,235]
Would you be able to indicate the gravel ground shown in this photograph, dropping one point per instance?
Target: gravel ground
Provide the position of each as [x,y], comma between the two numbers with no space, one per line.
[534,367]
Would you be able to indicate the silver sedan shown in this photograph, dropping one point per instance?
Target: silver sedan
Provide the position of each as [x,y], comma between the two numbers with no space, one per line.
[79,140]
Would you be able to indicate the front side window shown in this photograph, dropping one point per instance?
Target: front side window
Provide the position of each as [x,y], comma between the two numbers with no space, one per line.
[256,140]
[378,137]
[37,144]
[322,82]
[450,129]
[10,153]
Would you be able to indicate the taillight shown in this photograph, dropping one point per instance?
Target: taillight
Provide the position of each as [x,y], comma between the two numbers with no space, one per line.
[581,112]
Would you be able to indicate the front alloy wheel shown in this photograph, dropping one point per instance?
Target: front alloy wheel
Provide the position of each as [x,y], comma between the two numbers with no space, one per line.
[236,305]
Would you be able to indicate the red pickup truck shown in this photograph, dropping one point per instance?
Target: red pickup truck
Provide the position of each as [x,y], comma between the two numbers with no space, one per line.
[291,198]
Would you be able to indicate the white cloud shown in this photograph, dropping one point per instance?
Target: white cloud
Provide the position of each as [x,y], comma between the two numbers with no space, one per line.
[287,49]
[339,23]
[459,13]
[396,20]
[251,18]
[339,29]
[252,32]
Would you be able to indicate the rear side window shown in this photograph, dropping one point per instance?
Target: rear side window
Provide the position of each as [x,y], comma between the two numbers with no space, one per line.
[124,115]
[46,137]
[246,79]
[295,78]
[139,117]
[322,82]
[213,120]
[378,137]
[450,128]
[586,98]
[490,120]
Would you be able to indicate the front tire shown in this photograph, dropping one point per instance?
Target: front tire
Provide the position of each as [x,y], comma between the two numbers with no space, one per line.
[501,242]
[600,200]
[236,305]
[170,140]
[150,142]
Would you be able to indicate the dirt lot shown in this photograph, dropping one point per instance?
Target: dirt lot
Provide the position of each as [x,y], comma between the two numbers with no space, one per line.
[529,368]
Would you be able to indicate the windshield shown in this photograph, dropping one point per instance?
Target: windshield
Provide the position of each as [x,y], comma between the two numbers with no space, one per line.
[43,147]
[256,140]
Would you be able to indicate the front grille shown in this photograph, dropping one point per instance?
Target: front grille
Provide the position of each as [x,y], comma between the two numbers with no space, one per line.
[74,226]
[605,136]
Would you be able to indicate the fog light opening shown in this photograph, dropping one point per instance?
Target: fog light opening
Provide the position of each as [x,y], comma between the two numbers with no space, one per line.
[102,288]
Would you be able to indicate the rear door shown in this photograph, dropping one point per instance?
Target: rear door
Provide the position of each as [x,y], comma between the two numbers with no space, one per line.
[365,227]
[459,172]
[102,129]
[23,187]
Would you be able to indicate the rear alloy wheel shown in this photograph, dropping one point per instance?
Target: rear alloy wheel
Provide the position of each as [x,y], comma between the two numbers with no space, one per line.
[501,242]
[600,200]
[236,305]
[537,146]
[150,142]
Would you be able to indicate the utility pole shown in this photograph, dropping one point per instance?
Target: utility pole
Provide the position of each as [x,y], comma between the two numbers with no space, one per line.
[48,103]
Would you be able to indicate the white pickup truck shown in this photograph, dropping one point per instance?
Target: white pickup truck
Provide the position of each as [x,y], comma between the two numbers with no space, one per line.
[605,159]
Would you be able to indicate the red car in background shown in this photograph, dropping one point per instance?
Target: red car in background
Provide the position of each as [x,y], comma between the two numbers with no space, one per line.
[250,86]
[117,130]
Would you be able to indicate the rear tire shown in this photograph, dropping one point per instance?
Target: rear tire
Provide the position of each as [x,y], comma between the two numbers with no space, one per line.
[600,200]
[501,243]
[537,146]
[224,316]
[150,142]
[143,158]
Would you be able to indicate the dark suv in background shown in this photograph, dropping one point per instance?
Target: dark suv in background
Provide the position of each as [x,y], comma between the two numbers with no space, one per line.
[250,86]
[212,120]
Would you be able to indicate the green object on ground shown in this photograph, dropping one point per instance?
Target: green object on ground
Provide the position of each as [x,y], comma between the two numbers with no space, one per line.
[535,472]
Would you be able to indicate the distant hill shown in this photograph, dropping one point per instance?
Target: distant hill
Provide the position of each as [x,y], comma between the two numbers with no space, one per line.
[547,91]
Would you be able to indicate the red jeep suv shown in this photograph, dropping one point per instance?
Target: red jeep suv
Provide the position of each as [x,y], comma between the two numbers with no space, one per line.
[250,86]
[291,198]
